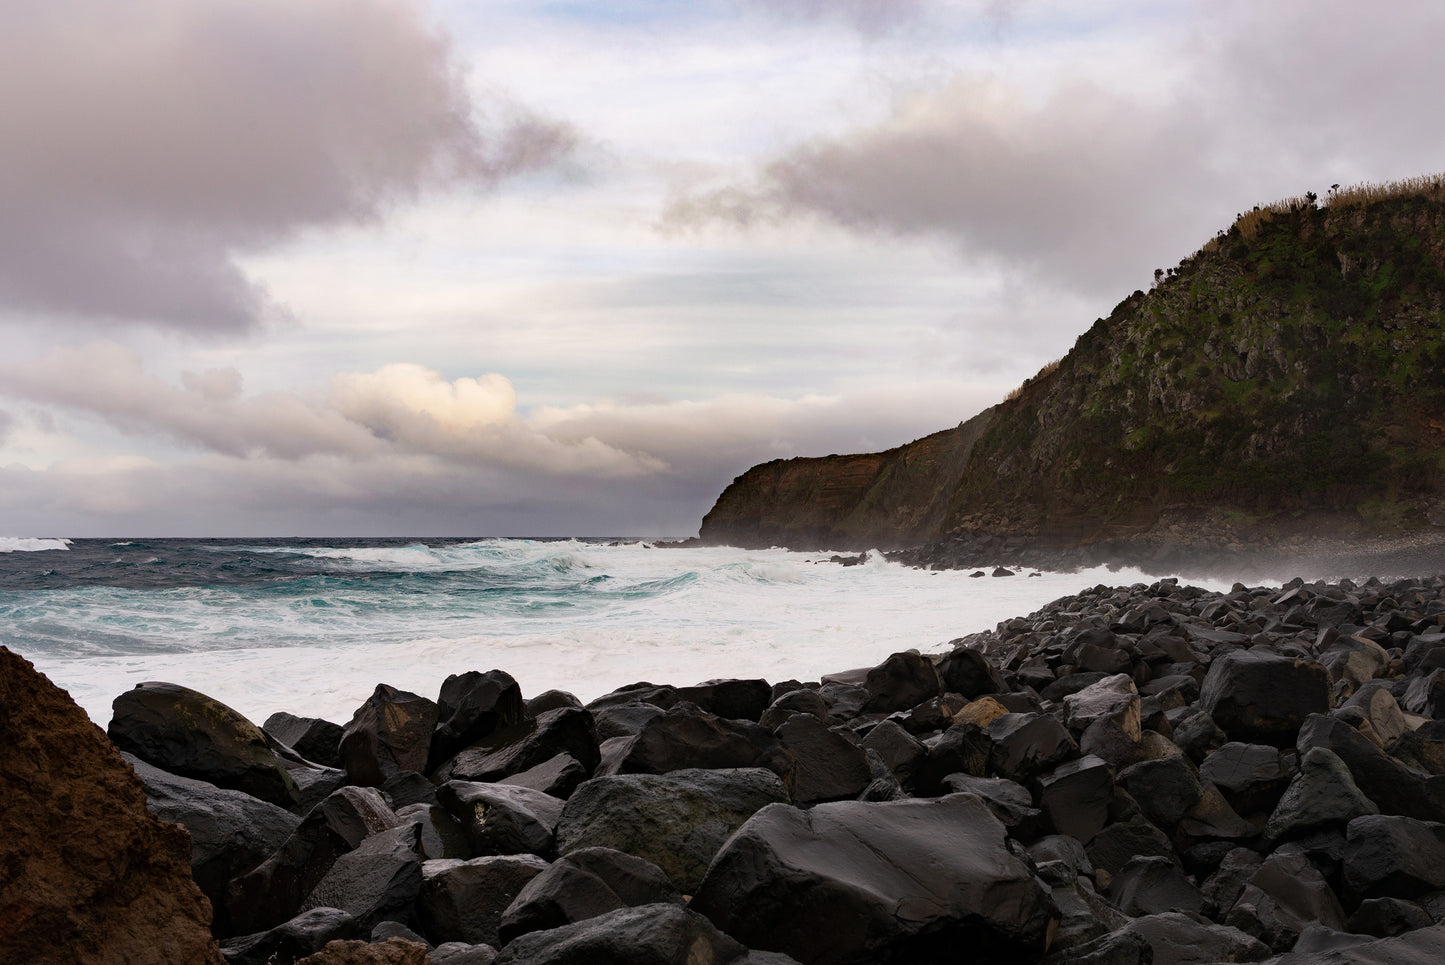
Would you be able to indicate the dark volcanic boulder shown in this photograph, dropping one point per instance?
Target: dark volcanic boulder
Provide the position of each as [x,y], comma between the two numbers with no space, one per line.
[471,706]
[1166,789]
[391,732]
[857,882]
[463,901]
[1252,777]
[1387,855]
[584,884]
[1322,795]
[677,821]
[231,831]
[314,739]
[968,672]
[273,892]
[87,874]
[902,681]
[511,750]
[686,737]
[733,699]
[1264,697]
[1026,745]
[661,934]
[1076,796]
[187,733]
[1395,788]
[827,766]
[1284,896]
[1423,947]
[377,881]
[503,818]
[557,776]
[292,940]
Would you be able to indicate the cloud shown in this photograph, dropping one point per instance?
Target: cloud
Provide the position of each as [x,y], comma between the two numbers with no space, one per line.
[147,144]
[869,16]
[1086,178]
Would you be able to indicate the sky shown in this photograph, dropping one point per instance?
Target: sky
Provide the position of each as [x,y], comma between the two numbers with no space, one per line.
[563,267]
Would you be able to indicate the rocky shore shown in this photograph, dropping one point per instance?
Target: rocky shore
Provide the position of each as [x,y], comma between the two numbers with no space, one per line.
[1154,773]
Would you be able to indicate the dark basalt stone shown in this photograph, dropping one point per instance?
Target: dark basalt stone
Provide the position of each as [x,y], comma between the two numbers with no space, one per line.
[899,750]
[1076,796]
[1263,697]
[512,750]
[1152,886]
[549,700]
[733,699]
[1027,745]
[314,739]
[677,821]
[687,737]
[901,682]
[377,881]
[856,882]
[306,934]
[584,884]
[1385,917]
[557,776]
[463,901]
[1252,777]
[1391,856]
[1282,897]
[1395,788]
[623,720]
[389,733]
[503,818]
[657,934]
[184,732]
[470,707]
[826,765]
[1166,789]
[968,672]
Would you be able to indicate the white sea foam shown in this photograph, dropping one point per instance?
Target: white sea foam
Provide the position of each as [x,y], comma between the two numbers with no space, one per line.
[30,544]
[580,617]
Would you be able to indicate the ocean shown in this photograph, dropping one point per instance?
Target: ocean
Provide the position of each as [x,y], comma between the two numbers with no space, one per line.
[312,625]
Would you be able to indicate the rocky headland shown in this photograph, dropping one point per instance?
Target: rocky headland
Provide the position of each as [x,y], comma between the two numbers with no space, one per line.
[1154,773]
[1280,393]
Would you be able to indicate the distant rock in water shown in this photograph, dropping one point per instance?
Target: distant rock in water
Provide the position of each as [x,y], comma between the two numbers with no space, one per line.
[1283,385]
[90,876]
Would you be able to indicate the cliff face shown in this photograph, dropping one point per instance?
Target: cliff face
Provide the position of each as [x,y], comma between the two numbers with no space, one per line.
[1290,372]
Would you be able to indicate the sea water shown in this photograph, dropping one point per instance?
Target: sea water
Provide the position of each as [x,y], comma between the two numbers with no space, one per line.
[311,626]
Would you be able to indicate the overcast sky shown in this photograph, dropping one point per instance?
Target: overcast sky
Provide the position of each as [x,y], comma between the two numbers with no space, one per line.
[515,267]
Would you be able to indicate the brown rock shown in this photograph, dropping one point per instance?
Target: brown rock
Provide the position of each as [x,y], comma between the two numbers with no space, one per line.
[393,951]
[90,876]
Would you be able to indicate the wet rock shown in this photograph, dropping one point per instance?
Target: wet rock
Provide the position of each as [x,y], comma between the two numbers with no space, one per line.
[968,672]
[89,874]
[1384,917]
[184,732]
[1252,777]
[1396,789]
[1119,843]
[1151,886]
[981,712]
[730,699]
[1392,856]
[405,788]
[1011,803]
[1114,698]
[390,951]
[1282,897]
[512,750]
[1423,947]
[1223,888]
[801,701]
[677,821]
[584,884]
[1076,796]
[273,892]
[557,776]
[1263,697]
[1166,789]
[902,681]
[827,766]
[625,720]
[688,738]
[470,707]
[1199,736]
[903,881]
[462,953]
[549,700]
[899,750]
[1026,745]
[390,732]
[441,834]
[314,739]
[1177,938]
[1426,695]
[1322,794]
[1379,707]
[378,880]
[844,700]
[1106,739]
[292,940]
[659,934]
[231,831]
[463,901]
[503,818]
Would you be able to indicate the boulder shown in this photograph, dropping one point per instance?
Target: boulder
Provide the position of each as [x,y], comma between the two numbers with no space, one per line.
[231,831]
[658,934]
[1026,745]
[677,821]
[512,750]
[442,835]
[503,818]
[1123,841]
[377,881]
[273,891]
[1423,947]
[1283,896]
[625,720]
[899,750]
[962,749]
[1384,917]
[1395,788]
[1322,794]
[316,740]
[1387,855]
[1422,749]
[1114,698]
[688,738]
[390,951]
[802,701]
[90,875]
[1151,886]
[549,700]
[187,733]
[1076,796]
[1198,736]
[292,940]
[463,901]
[826,765]
[1008,801]
[1264,697]
[584,884]
[1166,789]
[470,707]
[1177,938]
[557,776]
[968,672]
[733,699]
[902,681]
[462,953]
[1252,777]
[859,882]
[390,732]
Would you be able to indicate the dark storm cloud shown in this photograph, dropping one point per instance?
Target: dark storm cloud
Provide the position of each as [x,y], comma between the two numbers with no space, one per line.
[146,144]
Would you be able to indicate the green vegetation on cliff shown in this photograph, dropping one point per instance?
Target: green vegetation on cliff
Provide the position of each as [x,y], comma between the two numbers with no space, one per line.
[1290,370]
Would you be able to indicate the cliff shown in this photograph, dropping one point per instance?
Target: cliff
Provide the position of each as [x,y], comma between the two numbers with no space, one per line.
[1284,383]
